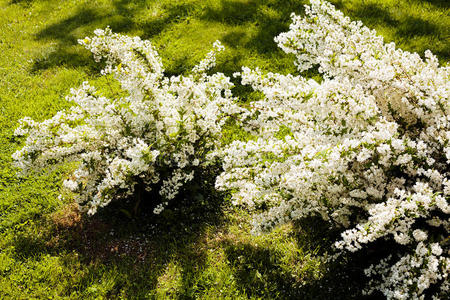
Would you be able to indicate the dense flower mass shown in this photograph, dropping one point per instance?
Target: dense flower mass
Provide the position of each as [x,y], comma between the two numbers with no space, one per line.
[367,148]
[156,132]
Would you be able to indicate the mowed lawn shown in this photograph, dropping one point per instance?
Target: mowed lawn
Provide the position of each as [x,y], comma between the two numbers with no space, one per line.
[200,247]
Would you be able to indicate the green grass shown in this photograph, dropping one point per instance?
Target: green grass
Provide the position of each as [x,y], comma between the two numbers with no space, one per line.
[200,247]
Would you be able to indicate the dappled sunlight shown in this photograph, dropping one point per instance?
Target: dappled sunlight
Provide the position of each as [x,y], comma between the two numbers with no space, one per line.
[201,244]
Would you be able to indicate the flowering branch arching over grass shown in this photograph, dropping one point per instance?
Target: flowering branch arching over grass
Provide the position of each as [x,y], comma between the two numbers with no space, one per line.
[159,132]
[368,148]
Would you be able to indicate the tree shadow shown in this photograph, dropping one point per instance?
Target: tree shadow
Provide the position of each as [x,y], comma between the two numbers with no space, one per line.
[438,3]
[268,17]
[414,26]
[374,14]
[22,2]
[404,26]
[119,18]
[252,26]
[66,52]
[272,19]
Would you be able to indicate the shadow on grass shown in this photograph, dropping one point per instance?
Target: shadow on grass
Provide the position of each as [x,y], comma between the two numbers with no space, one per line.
[268,17]
[261,272]
[139,247]
[438,3]
[137,251]
[136,247]
[133,250]
[22,2]
[416,33]
[254,24]
[85,20]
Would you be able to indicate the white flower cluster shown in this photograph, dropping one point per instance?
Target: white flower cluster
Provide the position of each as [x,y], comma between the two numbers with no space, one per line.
[412,274]
[368,148]
[155,132]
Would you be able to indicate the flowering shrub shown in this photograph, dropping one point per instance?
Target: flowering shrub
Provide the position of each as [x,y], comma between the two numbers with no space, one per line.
[366,149]
[156,131]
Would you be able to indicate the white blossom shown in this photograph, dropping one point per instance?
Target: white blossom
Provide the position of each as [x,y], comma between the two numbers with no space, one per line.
[156,131]
[367,148]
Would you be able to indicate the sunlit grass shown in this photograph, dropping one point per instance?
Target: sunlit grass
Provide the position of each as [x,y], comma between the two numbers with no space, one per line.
[200,248]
